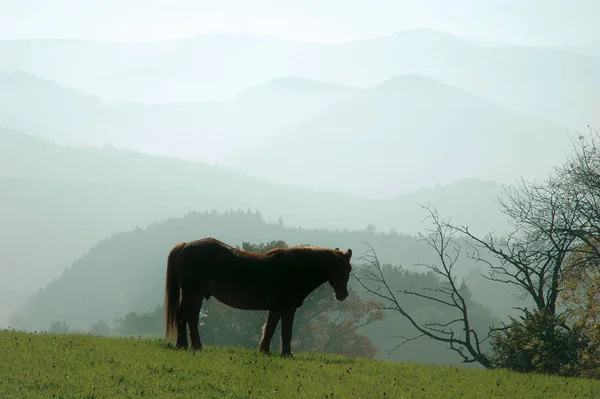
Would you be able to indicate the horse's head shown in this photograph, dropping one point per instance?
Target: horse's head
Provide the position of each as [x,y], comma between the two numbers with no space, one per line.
[340,273]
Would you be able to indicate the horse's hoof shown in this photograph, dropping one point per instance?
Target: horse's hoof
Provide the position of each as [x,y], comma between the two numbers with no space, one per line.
[264,351]
[286,354]
[197,348]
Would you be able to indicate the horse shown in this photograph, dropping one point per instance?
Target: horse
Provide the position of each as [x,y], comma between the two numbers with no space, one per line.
[277,281]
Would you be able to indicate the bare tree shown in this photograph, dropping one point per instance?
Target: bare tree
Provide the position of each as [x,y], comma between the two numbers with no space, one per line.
[457,333]
[555,230]
[551,222]
[579,180]
[531,256]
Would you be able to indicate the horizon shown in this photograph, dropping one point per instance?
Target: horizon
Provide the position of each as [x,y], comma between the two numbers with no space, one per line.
[536,23]
[477,41]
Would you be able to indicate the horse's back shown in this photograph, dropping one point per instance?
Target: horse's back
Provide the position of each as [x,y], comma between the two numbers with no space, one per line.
[213,256]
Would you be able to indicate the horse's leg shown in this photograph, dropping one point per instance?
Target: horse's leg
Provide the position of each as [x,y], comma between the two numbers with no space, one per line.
[287,324]
[183,314]
[193,318]
[268,331]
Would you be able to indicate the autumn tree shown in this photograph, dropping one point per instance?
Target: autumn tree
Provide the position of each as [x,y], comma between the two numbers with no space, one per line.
[580,299]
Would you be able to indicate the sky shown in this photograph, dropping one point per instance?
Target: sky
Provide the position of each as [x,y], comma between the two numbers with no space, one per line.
[528,22]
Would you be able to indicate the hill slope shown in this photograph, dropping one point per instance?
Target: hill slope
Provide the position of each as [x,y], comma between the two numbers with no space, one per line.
[125,273]
[114,367]
[25,157]
[127,268]
[404,132]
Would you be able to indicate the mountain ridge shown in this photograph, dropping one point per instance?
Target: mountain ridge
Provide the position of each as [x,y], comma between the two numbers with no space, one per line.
[199,131]
[540,81]
[378,124]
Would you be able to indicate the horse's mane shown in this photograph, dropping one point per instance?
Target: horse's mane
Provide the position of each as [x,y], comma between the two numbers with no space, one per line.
[277,251]
[302,248]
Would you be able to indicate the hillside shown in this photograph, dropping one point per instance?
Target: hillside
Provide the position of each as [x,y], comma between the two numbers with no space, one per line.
[72,198]
[270,109]
[127,270]
[554,84]
[117,367]
[119,263]
[52,111]
[200,131]
[406,131]
[25,157]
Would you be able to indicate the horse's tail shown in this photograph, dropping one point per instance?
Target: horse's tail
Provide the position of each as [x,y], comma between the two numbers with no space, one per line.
[172,291]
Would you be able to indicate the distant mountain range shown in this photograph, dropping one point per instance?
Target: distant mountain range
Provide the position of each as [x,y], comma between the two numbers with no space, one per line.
[406,131]
[306,127]
[97,138]
[203,131]
[554,84]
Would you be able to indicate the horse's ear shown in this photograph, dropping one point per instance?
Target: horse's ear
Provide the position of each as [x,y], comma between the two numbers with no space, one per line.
[349,253]
[337,249]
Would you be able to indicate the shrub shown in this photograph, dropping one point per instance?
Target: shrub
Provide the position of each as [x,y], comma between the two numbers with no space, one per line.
[540,343]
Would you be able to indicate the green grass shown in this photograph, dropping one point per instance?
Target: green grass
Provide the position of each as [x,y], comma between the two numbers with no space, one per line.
[79,366]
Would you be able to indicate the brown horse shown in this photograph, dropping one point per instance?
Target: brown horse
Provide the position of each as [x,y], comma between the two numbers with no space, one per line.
[278,281]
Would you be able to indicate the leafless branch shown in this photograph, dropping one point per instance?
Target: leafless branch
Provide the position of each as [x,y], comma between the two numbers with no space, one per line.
[448,294]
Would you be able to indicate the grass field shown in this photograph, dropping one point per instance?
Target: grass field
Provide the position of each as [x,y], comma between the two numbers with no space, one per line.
[79,366]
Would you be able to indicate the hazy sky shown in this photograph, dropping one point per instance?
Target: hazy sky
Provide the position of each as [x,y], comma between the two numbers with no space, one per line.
[513,21]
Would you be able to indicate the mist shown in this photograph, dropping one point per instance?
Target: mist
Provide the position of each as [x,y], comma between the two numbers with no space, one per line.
[125,128]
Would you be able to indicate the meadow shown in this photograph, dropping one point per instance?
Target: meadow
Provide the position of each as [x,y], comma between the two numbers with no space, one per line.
[82,366]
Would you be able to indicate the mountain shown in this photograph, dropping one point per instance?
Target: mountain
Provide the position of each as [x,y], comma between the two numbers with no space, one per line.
[28,159]
[559,86]
[405,133]
[201,131]
[52,111]
[554,84]
[197,68]
[284,102]
[23,156]
[57,202]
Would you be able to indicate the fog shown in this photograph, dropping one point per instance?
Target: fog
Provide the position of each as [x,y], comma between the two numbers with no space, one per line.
[335,122]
